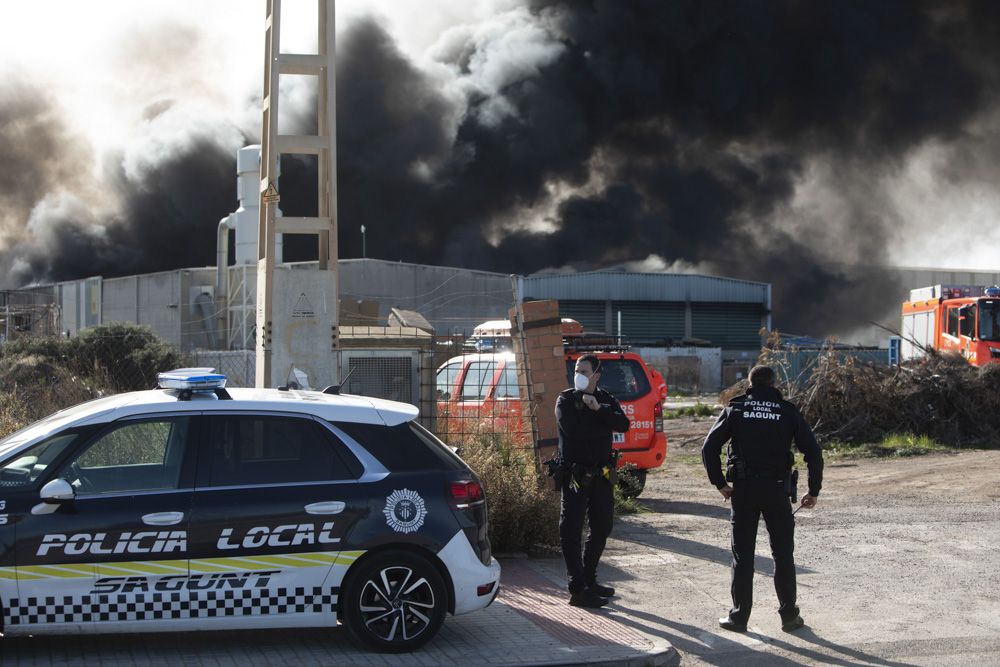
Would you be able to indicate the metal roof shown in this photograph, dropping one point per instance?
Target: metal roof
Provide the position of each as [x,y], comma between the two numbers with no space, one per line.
[628,286]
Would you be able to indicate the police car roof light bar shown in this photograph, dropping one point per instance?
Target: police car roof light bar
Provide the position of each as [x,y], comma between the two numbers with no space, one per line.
[186,381]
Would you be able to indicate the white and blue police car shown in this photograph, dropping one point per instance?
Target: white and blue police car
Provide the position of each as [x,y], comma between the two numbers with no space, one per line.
[194,507]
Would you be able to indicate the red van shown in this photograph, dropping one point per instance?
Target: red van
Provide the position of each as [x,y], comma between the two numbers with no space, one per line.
[480,392]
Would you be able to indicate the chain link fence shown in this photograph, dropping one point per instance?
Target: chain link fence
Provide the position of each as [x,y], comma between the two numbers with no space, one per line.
[461,393]
[465,387]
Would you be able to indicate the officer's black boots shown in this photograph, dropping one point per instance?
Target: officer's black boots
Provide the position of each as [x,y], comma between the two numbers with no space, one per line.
[793,624]
[602,590]
[588,599]
[727,623]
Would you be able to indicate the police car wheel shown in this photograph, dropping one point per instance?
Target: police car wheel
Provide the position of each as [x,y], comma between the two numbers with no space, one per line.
[394,602]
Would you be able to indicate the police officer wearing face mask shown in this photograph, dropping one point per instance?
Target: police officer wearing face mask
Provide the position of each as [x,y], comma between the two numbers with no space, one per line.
[762,427]
[587,416]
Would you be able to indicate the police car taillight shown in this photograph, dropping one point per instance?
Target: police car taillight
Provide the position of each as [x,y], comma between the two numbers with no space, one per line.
[466,493]
[658,417]
[191,379]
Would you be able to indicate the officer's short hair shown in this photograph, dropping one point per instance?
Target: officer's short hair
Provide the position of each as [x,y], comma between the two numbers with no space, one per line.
[761,376]
[595,363]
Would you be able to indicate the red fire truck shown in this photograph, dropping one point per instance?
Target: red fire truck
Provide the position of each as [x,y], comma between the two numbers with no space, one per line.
[962,319]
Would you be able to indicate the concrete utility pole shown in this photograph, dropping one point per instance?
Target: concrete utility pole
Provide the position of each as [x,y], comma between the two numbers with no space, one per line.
[297,311]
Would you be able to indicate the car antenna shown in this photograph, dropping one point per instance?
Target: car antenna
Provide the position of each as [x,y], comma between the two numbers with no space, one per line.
[335,388]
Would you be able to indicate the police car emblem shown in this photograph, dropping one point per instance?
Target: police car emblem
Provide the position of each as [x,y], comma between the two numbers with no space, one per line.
[404,511]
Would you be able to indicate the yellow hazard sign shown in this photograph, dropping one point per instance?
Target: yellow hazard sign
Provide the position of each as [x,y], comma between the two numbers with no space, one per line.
[270,195]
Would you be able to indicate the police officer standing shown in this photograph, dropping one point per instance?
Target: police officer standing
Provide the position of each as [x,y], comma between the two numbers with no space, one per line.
[761,427]
[587,416]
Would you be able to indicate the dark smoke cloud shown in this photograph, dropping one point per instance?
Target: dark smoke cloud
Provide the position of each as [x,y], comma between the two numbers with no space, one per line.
[165,222]
[683,129]
[696,119]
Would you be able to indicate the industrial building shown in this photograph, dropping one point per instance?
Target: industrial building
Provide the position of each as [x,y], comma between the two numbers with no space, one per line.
[642,308]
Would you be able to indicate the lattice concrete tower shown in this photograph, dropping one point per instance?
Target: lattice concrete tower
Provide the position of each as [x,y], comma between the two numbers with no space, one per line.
[297,310]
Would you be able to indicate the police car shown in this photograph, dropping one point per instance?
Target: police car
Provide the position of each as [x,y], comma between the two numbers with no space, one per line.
[193,507]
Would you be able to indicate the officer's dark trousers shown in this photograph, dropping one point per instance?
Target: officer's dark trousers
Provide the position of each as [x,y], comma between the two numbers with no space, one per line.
[597,497]
[752,498]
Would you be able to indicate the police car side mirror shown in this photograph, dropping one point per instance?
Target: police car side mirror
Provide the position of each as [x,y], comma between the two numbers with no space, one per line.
[57,491]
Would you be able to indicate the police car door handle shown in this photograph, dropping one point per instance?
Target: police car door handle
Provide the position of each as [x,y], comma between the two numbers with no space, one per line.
[163,518]
[328,507]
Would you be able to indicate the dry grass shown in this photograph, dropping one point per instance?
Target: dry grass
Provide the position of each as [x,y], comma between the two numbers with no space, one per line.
[524,512]
[32,387]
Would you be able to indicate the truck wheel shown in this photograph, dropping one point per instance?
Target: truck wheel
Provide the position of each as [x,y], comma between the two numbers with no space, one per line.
[631,482]
[394,602]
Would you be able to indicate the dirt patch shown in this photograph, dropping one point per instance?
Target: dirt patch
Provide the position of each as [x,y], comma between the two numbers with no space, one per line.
[968,473]
[687,433]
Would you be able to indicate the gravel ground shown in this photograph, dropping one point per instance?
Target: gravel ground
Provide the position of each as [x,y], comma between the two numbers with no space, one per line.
[897,564]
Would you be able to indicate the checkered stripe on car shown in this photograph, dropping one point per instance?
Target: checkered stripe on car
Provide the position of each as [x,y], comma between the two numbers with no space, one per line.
[168,606]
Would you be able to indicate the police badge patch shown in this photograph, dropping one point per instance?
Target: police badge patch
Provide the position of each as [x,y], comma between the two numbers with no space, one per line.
[404,511]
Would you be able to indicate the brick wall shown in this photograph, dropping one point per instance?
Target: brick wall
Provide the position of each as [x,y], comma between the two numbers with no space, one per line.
[541,350]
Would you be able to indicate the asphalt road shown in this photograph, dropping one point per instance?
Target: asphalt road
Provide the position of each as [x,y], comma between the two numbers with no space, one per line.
[897,565]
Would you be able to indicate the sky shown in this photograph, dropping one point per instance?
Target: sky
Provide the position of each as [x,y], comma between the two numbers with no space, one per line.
[797,143]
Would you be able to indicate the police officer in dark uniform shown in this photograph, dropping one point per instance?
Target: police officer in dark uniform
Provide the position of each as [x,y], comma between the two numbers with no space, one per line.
[761,427]
[587,416]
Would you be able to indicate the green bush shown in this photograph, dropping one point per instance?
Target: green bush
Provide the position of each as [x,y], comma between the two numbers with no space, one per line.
[39,376]
[523,511]
[126,356]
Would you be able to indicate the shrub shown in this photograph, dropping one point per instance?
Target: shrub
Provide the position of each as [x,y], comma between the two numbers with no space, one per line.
[39,376]
[125,356]
[524,512]
[32,387]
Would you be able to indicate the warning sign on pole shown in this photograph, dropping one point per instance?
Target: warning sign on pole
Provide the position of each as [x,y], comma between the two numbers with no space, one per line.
[270,195]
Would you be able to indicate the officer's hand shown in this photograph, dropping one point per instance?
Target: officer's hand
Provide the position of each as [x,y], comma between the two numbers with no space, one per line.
[808,501]
[591,402]
[727,491]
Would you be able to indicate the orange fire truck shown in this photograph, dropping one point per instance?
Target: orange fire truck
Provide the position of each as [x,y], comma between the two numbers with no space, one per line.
[962,319]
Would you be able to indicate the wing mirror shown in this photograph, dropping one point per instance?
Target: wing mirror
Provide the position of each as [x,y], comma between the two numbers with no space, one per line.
[53,495]
[57,491]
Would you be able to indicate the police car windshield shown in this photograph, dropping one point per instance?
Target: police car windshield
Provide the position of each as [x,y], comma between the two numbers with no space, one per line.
[989,320]
[624,379]
[25,467]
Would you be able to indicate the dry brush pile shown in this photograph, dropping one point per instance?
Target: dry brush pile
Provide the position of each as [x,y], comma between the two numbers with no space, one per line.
[939,396]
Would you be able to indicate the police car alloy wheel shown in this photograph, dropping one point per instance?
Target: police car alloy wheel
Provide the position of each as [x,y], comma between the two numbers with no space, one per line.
[396,601]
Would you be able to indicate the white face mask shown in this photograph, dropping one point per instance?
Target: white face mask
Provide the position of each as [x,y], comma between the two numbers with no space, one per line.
[581,382]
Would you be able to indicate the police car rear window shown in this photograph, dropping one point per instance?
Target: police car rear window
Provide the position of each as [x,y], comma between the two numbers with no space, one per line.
[403,448]
[625,379]
[253,449]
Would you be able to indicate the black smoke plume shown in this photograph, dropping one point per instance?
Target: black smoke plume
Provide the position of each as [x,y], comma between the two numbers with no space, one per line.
[591,133]
[693,121]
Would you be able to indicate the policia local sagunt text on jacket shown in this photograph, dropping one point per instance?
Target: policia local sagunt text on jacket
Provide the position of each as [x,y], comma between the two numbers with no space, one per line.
[585,439]
[761,426]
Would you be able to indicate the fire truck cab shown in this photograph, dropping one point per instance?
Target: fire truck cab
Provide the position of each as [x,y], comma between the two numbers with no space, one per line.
[961,319]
